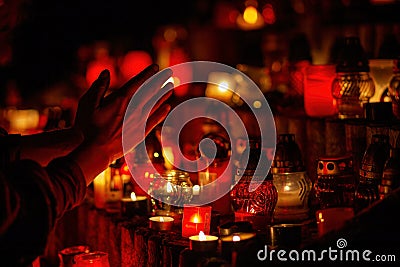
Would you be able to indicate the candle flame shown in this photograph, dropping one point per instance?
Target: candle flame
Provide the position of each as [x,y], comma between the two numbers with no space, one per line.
[169,187]
[196,219]
[223,86]
[236,238]
[250,15]
[202,236]
[161,219]
[133,196]
[286,188]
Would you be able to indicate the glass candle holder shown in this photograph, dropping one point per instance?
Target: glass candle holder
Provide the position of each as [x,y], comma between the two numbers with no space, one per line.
[92,259]
[353,86]
[381,71]
[161,223]
[291,181]
[66,255]
[394,88]
[352,90]
[293,192]
[170,191]
[318,100]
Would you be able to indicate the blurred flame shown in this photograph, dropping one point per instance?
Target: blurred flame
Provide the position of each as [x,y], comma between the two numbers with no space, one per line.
[202,236]
[196,219]
[250,15]
[133,196]
[236,238]
[169,188]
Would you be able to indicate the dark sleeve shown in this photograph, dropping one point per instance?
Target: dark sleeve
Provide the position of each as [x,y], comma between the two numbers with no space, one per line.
[32,199]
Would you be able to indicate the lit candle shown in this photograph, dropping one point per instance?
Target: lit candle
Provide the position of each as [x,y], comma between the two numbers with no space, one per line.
[196,219]
[203,242]
[99,187]
[196,190]
[161,223]
[135,205]
[232,244]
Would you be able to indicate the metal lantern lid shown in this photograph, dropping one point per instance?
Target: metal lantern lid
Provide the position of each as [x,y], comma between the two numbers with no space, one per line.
[352,57]
[254,161]
[288,156]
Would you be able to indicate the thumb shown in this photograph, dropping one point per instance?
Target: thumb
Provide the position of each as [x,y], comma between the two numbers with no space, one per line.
[101,86]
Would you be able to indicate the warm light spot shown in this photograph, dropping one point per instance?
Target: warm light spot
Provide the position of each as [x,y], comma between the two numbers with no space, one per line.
[257,104]
[286,188]
[202,236]
[320,215]
[223,86]
[170,35]
[276,66]
[169,158]
[176,81]
[269,14]
[196,219]
[146,175]
[236,238]
[196,190]
[156,154]
[133,196]
[169,187]
[126,168]
[250,15]
[161,219]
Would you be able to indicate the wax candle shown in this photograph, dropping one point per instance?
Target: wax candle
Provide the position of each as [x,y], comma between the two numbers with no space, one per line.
[161,223]
[134,205]
[242,243]
[203,242]
[99,187]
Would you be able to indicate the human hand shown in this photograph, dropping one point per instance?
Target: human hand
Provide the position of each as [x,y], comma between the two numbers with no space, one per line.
[100,117]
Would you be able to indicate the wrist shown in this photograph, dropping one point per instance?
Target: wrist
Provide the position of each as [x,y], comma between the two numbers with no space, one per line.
[92,159]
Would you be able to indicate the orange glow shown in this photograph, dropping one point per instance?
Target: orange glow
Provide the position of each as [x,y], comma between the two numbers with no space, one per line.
[251,19]
[170,35]
[134,62]
[133,196]
[196,219]
[125,169]
[250,15]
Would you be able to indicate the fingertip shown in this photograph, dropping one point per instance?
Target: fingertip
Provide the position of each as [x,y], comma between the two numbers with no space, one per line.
[167,71]
[105,74]
[155,67]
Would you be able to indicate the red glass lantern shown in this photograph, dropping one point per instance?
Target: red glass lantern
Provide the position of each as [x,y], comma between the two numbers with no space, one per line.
[318,99]
[196,219]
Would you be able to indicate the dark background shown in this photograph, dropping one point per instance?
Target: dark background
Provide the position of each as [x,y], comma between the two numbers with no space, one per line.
[46,42]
